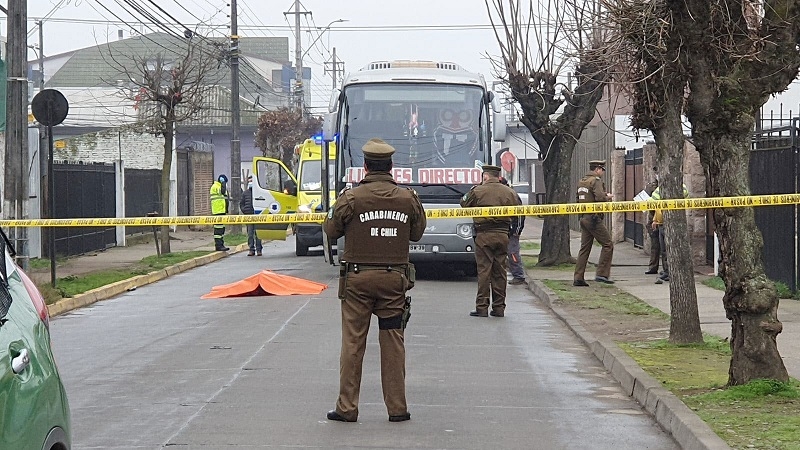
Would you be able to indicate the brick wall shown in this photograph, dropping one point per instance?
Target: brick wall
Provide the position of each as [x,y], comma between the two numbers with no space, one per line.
[201,169]
[138,150]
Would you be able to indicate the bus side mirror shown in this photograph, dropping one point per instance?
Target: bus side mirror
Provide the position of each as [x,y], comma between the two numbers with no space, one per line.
[499,127]
[329,127]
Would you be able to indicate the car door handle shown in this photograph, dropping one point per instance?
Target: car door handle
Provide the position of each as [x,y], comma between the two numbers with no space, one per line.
[21,362]
[259,198]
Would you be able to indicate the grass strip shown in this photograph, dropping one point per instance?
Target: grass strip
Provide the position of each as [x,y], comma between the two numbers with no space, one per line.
[77,284]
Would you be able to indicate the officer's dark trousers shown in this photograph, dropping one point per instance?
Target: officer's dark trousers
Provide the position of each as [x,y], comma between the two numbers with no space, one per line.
[592,229]
[655,250]
[491,257]
[664,247]
[381,293]
[514,259]
[219,232]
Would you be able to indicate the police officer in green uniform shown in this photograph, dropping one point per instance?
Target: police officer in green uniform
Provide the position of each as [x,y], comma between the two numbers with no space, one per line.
[491,241]
[377,219]
[591,189]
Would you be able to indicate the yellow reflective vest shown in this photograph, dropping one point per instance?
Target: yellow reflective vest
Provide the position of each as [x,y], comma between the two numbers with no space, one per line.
[219,201]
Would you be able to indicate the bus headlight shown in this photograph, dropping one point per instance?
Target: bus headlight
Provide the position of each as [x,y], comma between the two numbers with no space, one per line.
[304,209]
[464,230]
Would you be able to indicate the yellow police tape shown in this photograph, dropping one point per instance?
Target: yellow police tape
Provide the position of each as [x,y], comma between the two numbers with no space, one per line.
[527,210]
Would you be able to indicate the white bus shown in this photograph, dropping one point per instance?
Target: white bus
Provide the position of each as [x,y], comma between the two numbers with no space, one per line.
[441,120]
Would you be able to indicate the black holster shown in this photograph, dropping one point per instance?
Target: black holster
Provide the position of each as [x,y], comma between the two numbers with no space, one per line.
[406,313]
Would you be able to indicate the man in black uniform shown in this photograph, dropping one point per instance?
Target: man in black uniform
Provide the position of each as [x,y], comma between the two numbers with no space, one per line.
[491,242]
[377,219]
[591,189]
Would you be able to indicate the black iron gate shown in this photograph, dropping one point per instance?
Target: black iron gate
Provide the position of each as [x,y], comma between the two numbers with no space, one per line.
[773,170]
[83,190]
[634,183]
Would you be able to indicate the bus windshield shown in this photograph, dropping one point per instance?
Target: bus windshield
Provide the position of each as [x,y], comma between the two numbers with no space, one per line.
[437,130]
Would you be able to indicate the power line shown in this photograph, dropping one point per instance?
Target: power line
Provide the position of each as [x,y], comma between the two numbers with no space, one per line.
[371,28]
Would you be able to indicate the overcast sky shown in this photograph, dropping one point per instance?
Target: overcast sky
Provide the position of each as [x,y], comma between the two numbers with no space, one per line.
[448,30]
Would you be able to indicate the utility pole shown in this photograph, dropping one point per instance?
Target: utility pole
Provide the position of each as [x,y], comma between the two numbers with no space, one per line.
[334,69]
[45,167]
[298,54]
[15,182]
[236,149]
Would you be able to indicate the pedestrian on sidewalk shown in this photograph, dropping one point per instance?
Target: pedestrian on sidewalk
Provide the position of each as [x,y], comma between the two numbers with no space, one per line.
[658,223]
[654,232]
[219,207]
[514,257]
[491,241]
[377,219]
[591,189]
[246,206]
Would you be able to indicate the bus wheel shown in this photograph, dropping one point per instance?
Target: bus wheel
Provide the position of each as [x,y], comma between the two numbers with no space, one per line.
[300,249]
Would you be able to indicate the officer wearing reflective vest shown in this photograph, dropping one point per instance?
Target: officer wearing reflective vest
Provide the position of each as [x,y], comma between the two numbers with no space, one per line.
[219,207]
[377,219]
[591,189]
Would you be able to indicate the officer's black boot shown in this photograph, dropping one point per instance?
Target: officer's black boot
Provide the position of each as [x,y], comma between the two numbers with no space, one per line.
[219,245]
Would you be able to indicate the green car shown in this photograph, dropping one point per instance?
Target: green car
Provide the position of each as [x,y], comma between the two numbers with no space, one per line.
[34,412]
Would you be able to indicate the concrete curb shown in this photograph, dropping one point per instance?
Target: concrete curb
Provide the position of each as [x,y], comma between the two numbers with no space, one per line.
[111,290]
[670,412]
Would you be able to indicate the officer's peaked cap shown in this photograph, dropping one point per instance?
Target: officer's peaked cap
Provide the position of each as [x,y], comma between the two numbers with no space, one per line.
[597,163]
[377,149]
[494,170]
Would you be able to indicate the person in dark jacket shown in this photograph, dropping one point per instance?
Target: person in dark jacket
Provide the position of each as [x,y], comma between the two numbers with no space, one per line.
[246,206]
[514,257]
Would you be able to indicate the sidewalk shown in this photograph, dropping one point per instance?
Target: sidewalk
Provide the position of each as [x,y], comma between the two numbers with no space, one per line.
[628,267]
[120,257]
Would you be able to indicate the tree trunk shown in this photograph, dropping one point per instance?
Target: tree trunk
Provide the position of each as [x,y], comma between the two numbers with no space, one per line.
[165,171]
[750,300]
[684,324]
[555,248]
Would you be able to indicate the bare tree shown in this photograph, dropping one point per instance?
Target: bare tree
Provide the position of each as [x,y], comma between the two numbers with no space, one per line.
[735,54]
[741,53]
[649,61]
[280,130]
[169,85]
[565,38]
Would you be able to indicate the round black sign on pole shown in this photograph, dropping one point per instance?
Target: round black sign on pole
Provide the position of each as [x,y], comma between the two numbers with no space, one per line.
[50,108]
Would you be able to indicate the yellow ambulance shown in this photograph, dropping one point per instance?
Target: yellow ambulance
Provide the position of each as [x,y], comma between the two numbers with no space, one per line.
[279,191]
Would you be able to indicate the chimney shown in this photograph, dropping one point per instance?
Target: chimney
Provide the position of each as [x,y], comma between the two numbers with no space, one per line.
[120,35]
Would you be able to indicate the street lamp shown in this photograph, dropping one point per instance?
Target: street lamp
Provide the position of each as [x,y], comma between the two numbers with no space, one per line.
[299,69]
[324,29]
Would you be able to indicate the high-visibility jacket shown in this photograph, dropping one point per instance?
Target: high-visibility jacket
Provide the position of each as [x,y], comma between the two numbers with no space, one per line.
[219,201]
[658,216]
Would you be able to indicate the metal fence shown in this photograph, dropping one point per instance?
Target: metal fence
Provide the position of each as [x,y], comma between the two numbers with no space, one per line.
[773,170]
[83,190]
[634,183]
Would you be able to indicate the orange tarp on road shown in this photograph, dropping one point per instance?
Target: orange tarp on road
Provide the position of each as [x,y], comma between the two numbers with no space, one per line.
[266,283]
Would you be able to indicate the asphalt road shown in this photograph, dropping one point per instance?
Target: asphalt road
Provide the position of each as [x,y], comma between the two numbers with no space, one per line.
[160,367]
